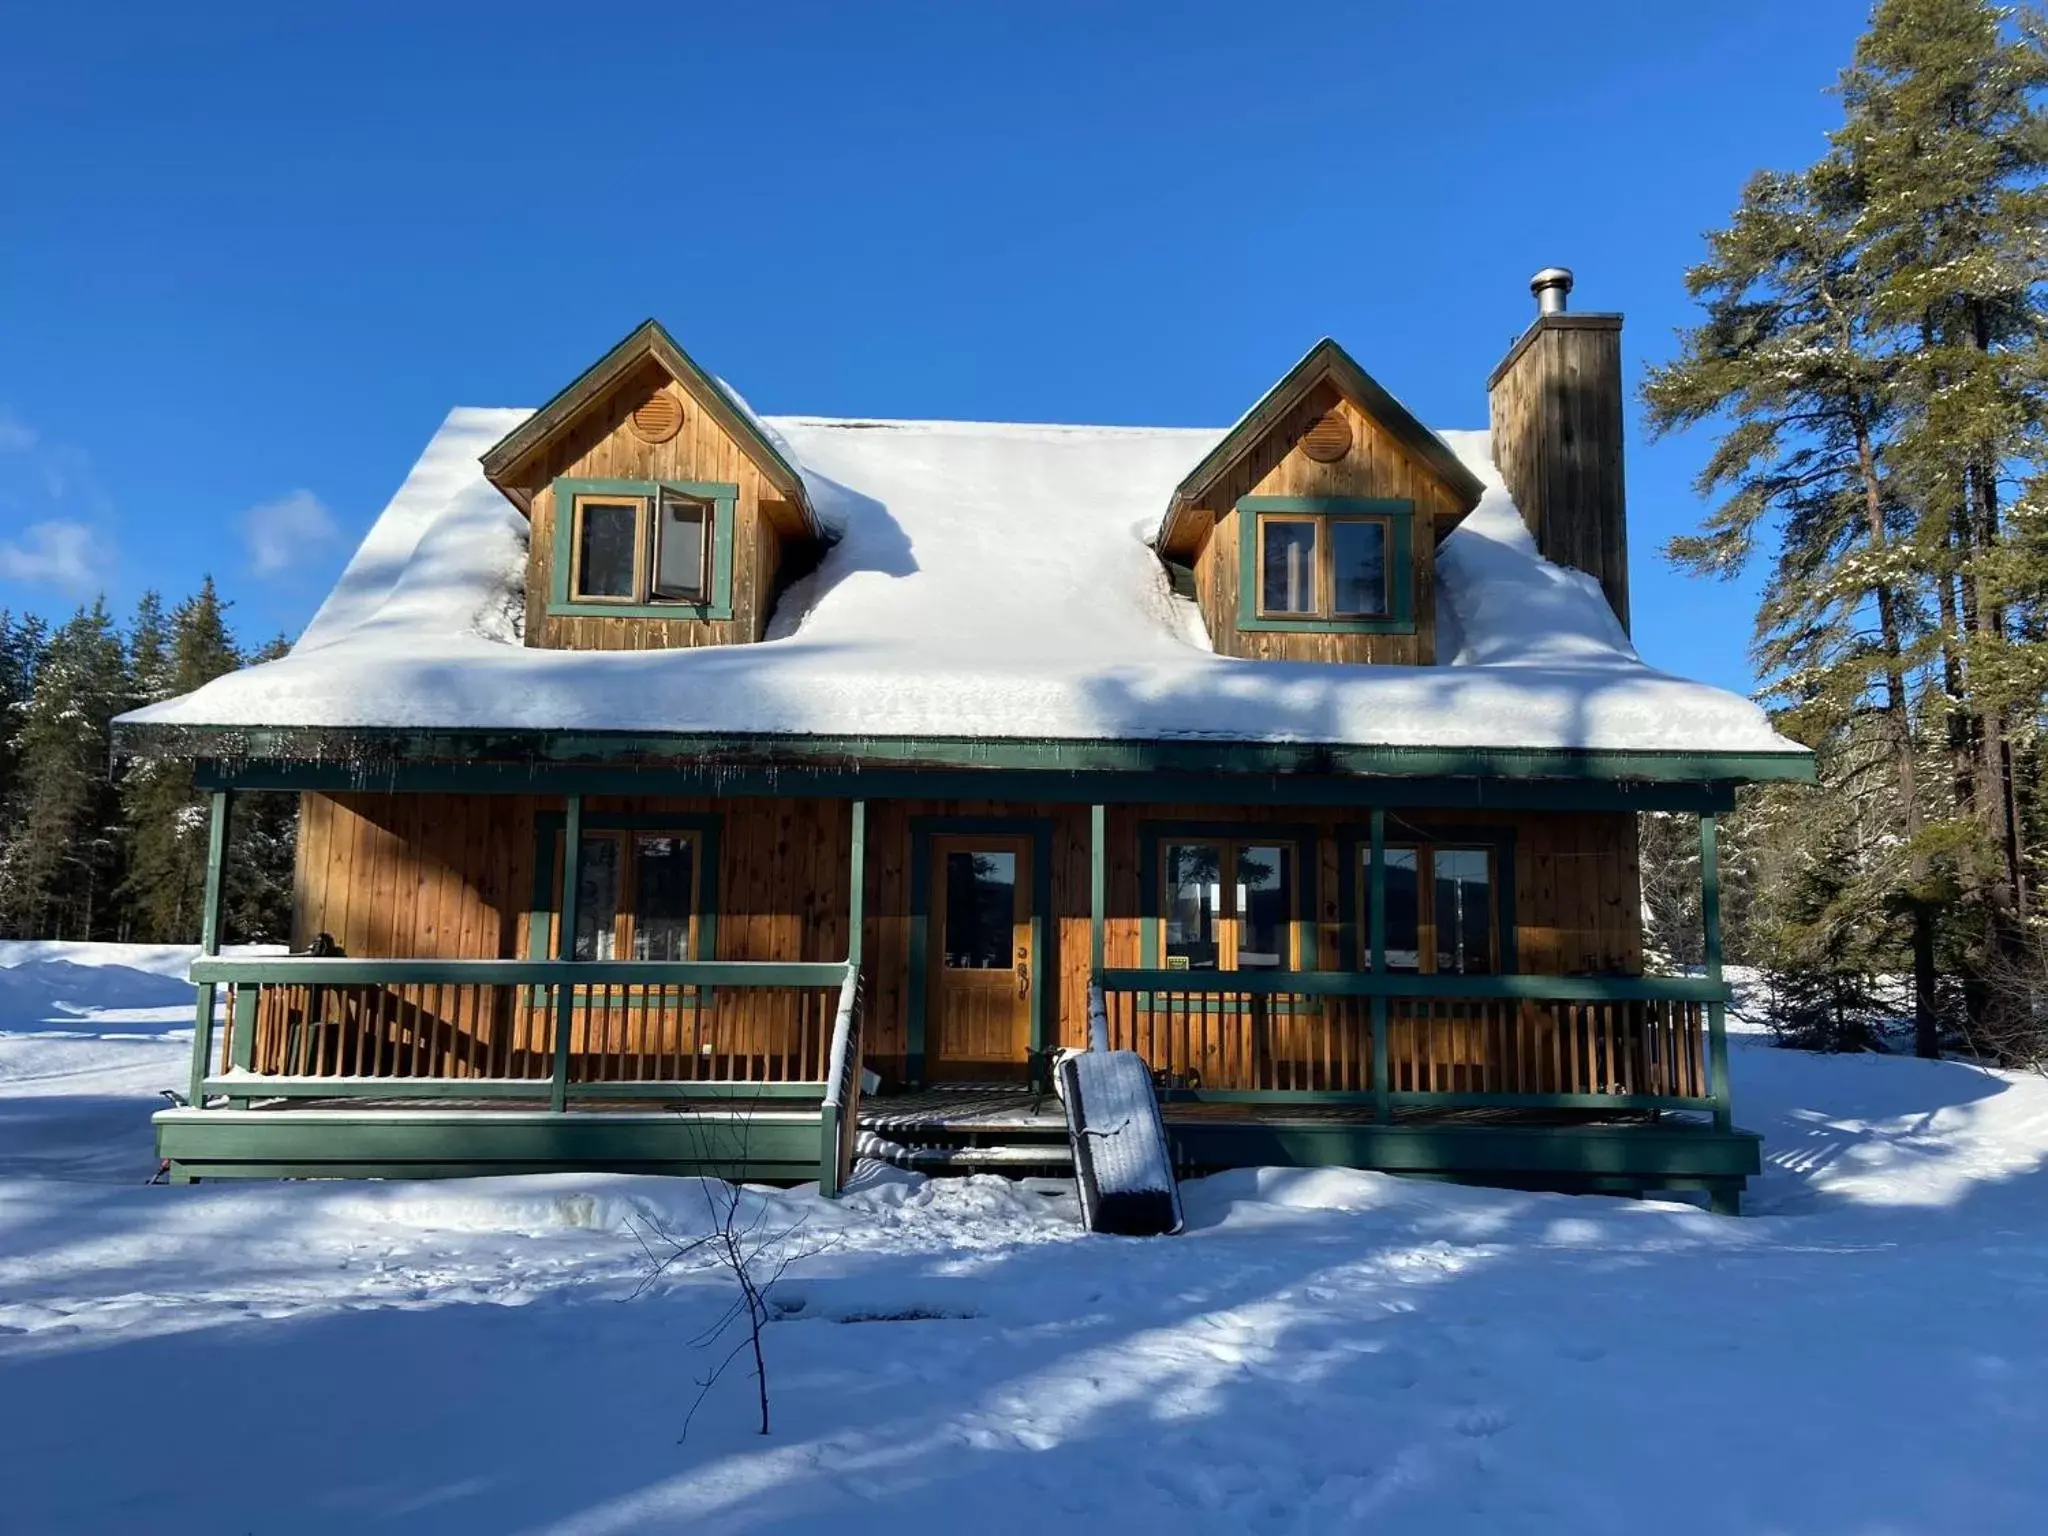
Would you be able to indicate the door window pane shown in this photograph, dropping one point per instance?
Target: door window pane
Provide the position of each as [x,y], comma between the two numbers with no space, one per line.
[1288,552]
[608,545]
[1358,562]
[1265,907]
[679,549]
[981,910]
[1404,909]
[1464,910]
[1194,906]
[597,899]
[664,892]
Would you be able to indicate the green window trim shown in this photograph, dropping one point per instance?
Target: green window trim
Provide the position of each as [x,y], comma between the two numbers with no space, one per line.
[1153,835]
[549,828]
[1399,513]
[721,496]
[1354,845]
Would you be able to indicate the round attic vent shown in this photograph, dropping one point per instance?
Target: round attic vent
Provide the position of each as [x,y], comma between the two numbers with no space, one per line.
[1329,439]
[659,419]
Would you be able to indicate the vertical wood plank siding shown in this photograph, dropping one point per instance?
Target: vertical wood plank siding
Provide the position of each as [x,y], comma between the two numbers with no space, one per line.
[602,446]
[1376,465]
[1556,410]
[451,877]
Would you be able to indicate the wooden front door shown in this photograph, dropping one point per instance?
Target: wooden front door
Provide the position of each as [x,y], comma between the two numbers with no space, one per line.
[978,1017]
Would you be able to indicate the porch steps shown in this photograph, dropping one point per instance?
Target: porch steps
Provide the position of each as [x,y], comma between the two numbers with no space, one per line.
[966,1128]
[999,1159]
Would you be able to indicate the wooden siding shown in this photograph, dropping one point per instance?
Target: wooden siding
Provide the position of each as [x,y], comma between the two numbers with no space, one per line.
[1556,409]
[601,445]
[449,877]
[1376,465]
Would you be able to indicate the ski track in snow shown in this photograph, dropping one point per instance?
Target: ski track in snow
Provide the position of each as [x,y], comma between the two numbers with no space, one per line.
[1865,1354]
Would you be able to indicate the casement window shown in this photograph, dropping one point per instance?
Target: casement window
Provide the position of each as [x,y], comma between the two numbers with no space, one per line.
[1443,913]
[1329,564]
[658,549]
[641,549]
[1226,905]
[638,895]
[1323,567]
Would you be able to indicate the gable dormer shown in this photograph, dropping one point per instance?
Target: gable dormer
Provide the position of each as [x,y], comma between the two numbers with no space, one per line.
[662,514]
[1311,529]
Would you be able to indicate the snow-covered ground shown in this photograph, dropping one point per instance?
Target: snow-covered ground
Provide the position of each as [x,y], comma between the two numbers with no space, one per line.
[1867,1353]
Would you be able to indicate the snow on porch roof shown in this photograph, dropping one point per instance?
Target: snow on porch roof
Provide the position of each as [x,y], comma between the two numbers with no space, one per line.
[989,581]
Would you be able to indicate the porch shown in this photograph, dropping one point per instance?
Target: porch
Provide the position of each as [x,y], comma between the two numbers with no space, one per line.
[992,933]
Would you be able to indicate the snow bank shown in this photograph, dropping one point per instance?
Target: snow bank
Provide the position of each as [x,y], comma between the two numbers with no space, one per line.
[992,580]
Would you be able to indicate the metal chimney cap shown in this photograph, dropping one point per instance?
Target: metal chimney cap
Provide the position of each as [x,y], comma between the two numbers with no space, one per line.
[1550,287]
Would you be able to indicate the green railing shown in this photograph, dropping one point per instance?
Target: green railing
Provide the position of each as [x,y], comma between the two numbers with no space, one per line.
[1393,1041]
[559,1033]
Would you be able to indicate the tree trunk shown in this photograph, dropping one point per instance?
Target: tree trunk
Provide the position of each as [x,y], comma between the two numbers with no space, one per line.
[1899,719]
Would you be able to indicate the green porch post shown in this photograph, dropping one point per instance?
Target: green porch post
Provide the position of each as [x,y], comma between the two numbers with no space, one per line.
[1376,937]
[857,878]
[1710,922]
[209,940]
[843,1066]
[1098,888]
[565,949]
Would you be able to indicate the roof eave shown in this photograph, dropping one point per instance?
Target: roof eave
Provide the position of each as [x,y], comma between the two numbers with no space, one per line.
[364,748]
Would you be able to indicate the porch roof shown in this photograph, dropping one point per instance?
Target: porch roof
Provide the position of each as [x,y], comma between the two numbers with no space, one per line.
[990,584]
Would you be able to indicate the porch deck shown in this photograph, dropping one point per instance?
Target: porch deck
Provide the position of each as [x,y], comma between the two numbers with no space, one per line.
[1614,1151]
[776,1139]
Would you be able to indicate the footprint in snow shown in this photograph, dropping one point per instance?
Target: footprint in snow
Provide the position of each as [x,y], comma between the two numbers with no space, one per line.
[1483,1422]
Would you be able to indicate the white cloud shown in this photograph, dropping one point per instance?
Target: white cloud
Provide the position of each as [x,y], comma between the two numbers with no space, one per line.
[16,436]
[289,531]
[60,553]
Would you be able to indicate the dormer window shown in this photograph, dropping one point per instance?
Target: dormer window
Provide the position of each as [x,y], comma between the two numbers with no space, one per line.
[649,549]
[1322,567]
[1331,564]
[619,540]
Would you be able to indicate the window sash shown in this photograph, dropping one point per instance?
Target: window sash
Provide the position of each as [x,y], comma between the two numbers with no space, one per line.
[1383,605]
[578,514]
[1313,525]
[1428,924]
[1322,574]
[621,938]
[1220,924]
[661,586]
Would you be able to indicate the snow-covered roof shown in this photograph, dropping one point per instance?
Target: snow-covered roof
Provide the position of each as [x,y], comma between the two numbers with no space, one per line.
[989,581]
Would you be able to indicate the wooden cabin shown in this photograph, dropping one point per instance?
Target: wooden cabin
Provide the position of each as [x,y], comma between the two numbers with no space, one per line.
[667,775]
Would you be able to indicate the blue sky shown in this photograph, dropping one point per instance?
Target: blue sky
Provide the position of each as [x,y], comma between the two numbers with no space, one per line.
[251,254]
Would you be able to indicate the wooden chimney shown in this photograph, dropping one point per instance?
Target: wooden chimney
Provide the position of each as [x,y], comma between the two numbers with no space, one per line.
[1555,408]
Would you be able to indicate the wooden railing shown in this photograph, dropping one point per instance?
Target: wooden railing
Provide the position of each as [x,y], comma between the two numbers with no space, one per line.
[306,1027]
[1558,1042]
[840,1113]
[557,1032]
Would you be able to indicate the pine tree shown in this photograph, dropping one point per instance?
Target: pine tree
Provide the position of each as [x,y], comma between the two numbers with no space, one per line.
[1791,355]
[263,836]
[1876,352]
[21,647]
[61,866]
[1947,147]
[165,817]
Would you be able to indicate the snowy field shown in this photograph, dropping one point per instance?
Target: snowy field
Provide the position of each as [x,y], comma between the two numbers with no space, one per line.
[1865,1355]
